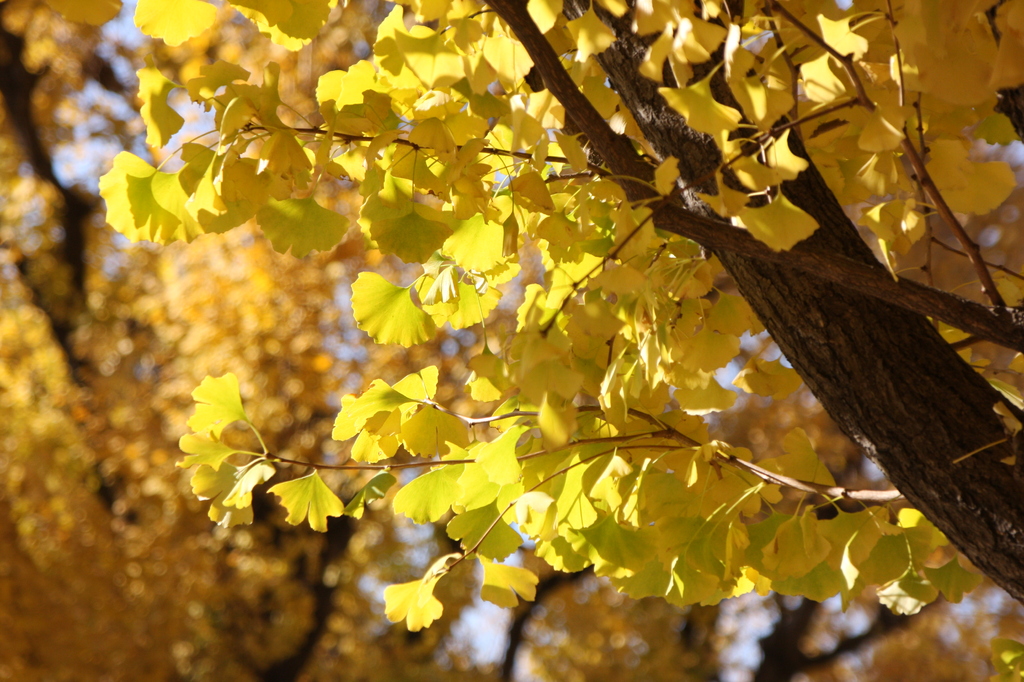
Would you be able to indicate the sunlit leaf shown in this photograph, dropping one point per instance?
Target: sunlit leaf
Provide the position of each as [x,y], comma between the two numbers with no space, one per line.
[781,224]
[429,496]
[301,225]
[203,449]
[162,121]
[375,489]
[387,313]
[174,21]
[308,495]
[502,584]
[218,403]
[144,203]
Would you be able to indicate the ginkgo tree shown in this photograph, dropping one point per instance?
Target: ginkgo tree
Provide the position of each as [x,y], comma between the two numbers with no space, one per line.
[648,156]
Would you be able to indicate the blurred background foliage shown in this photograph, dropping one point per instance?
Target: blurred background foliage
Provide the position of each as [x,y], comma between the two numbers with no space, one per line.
[110,568]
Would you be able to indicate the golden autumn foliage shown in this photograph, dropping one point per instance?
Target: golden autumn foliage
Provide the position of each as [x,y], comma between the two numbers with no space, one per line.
[487,347]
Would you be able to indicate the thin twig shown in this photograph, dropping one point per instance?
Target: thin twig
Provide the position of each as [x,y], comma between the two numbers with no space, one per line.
[830,491]
[896,47]
[988,286]
[347,138]
[1001,268]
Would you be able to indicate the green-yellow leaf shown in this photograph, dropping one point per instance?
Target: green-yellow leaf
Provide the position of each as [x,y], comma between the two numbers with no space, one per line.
[496,538]
[162,121]
[502,583]
[144,203]
[218,403]
[174,21]
[498,458]
[378,399]
[301,225]
[426,498]
[387,313]
[618,546]
[475,244]
[702,111]
[908,594]
[247,478]
[953,580]
[215,485]
[429,432]
[375,489]
[781,224]
[413,235]
[203,449]
[1008,659]
[798,547]
[308,495]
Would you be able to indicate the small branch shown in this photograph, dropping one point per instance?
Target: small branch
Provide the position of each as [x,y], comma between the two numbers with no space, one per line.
[896,48]
[829,491]
[988,286]
[1001,268]
[515,631]
[524,156]
[965,343]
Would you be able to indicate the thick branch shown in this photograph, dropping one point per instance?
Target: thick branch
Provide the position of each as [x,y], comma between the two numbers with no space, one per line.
[518,626]
[16,87]
[335,544]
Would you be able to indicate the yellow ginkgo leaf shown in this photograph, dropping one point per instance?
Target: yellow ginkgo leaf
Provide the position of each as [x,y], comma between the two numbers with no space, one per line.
[591,34]
[839,37]
[820,83]
[666,175]
[502,584]
[95,12]
[387,313]
[700,108]
[969,186]
[162,121]
[429,57]
[883,130]
[310,496]
[174,21]
[782,159]
[781,224]
[545,13]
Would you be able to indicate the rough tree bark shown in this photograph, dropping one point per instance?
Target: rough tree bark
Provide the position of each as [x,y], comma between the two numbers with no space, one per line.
[881,371]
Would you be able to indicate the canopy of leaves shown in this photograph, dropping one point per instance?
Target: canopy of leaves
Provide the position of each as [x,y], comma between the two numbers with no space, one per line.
[540,364]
